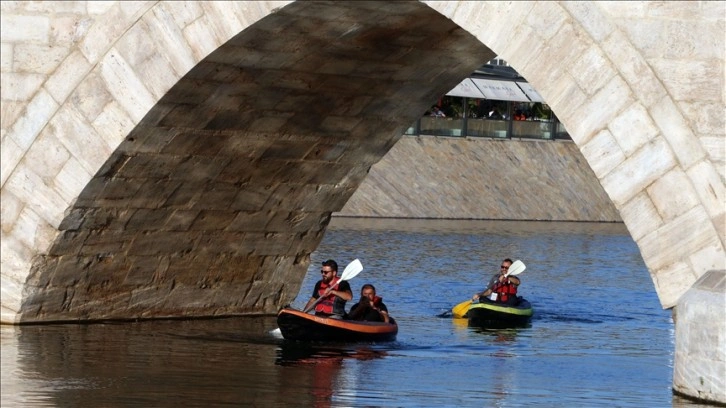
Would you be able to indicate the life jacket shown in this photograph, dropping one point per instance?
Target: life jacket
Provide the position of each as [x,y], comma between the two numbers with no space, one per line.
[505,291]
[327,305]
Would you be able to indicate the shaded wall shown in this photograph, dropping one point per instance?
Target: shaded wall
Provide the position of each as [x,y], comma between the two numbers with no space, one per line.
[479,178]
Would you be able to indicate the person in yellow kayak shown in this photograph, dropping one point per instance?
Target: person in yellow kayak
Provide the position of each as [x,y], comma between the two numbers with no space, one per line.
[334,292]
[370,308]
[502,288]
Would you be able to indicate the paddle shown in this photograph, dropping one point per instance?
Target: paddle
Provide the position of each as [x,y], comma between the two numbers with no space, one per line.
[350,272]
[515,268]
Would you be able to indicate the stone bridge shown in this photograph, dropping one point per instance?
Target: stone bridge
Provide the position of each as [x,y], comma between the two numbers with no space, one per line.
[183,158]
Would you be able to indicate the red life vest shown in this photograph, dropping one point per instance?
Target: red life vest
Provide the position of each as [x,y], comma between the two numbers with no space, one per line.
[326,305]
[505,291]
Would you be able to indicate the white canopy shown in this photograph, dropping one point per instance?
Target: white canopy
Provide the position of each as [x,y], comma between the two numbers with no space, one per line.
[467,89]
[500,90]
[530,92]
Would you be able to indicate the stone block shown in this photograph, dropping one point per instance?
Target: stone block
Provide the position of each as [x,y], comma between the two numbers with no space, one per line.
[46,156]
[591,18]
[44,200]
[603,153]
[126,86]
[199,168]
[200,38]
[251,221]
[709,187]
[153,193]
[593,70]
[604,106]
[646,165]
[673,194]
[6,57]
[72,71]
[10,207]
[10,156]
[671,282]
[68,243]
[677,239]
[677,132]
[69,271]
[113,124]
[20,87]
[153,243]
[25,28]
[633,128]
[107,219]
[185,197]
[706,119]
[711,257]
[197,143]
[634,69]
[144,219]
[68,29]
[684,78]
[89,97]
[640,216]
[141,272]
[181,220]
[168,35]
[38,59]
[210,220]
[81,140]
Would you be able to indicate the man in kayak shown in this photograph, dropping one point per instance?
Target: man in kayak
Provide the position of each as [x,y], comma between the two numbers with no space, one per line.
[333,291]
[501,288]
[370,308]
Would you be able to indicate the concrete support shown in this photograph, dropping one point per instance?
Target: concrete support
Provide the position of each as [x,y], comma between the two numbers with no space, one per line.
[699,368]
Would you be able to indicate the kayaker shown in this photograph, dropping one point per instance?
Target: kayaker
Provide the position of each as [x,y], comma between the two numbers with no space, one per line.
[370,308]
[334,295]
[501,288]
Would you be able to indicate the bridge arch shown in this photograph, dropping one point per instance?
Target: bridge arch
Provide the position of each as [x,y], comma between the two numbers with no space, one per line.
[115,108]
[170,136]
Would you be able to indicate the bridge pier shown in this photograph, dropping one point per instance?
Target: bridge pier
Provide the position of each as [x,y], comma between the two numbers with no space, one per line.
[699,366]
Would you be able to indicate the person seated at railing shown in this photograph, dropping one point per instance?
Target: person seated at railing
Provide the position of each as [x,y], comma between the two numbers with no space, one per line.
[436,112]
[519,115]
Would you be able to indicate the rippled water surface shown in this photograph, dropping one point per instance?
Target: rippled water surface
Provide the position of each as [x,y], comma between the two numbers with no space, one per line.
[598,337]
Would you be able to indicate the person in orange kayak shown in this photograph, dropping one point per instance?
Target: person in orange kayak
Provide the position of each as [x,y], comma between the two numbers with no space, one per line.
[333,291]
[370,308]
[501,288]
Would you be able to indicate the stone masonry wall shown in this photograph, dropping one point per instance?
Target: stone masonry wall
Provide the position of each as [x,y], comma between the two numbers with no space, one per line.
[476,178]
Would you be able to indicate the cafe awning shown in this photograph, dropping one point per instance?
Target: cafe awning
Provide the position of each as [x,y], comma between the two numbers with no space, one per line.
[530,92]
[500,90]
[466,89]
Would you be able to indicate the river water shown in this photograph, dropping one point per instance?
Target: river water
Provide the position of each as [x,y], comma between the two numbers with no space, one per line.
[598,338]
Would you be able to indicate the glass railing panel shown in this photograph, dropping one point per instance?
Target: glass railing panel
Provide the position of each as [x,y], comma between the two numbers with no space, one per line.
[441,126]
[487,128]
[561,132]
[531,129]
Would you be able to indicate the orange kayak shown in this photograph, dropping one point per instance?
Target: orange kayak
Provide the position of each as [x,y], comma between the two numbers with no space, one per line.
[297,325]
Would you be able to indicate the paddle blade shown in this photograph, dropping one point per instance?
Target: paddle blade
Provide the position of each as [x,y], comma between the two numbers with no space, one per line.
[352,270]
[461,309]
[516,268]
